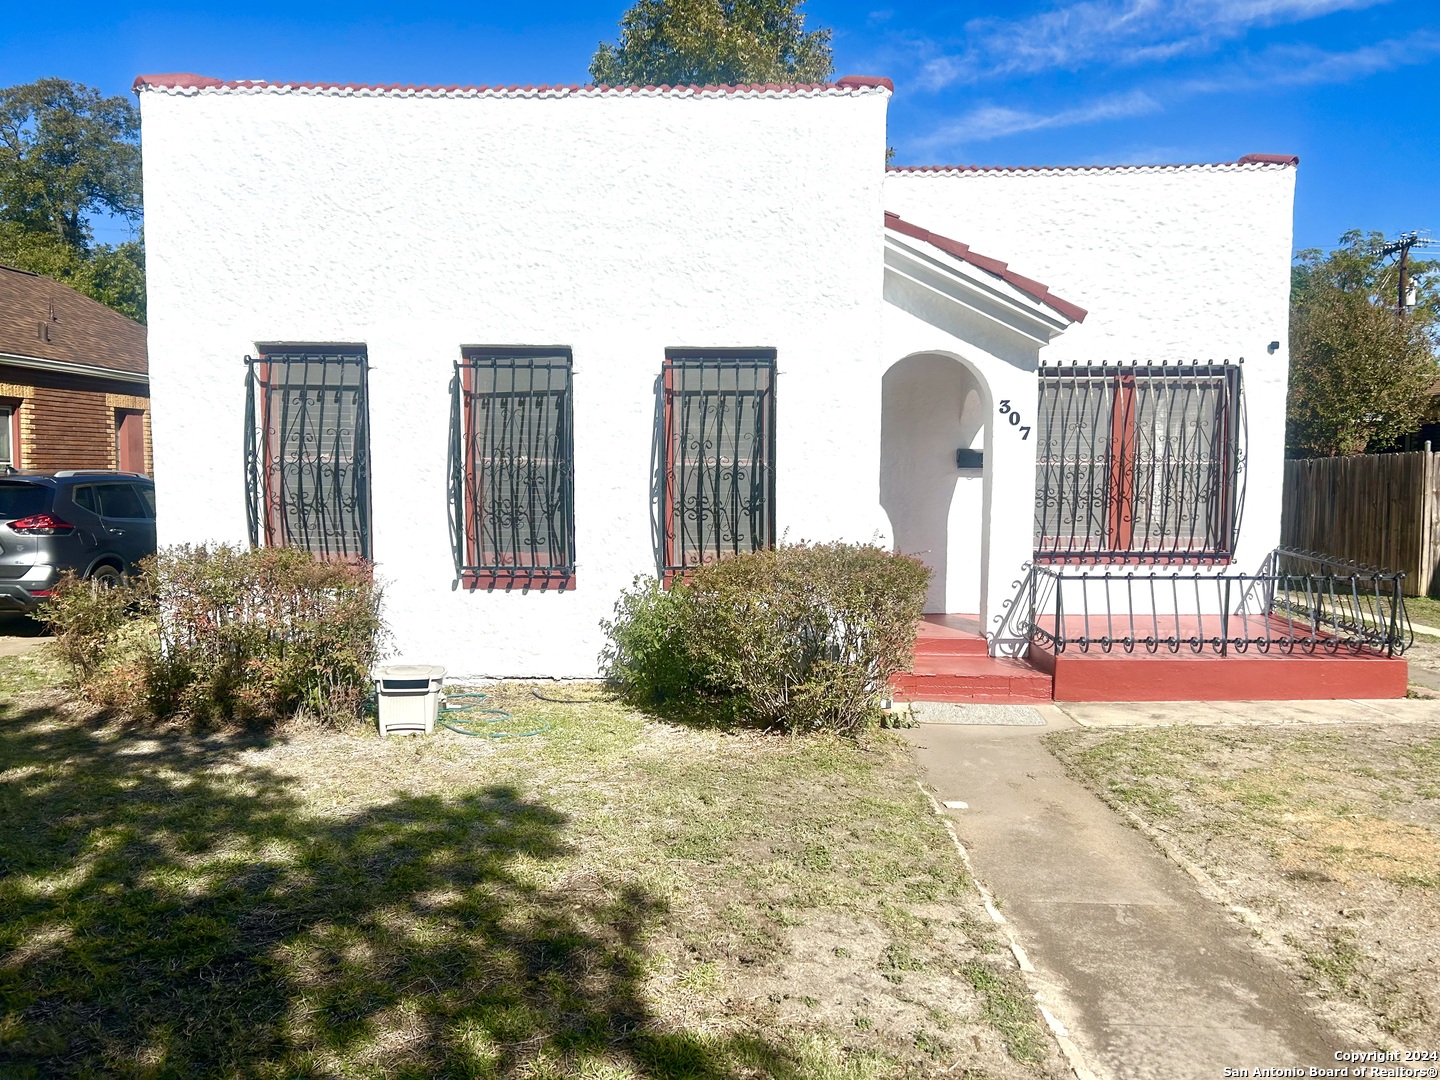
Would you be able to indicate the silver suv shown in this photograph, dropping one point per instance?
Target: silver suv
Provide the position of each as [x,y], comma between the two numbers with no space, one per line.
[98,524]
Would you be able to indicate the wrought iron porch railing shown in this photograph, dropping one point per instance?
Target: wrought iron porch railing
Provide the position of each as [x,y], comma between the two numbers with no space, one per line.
[1298,600]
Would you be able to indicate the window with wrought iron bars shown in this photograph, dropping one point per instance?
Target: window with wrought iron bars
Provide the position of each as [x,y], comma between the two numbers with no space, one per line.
[718,493]
[307,449]
[1139,463]
[512,469]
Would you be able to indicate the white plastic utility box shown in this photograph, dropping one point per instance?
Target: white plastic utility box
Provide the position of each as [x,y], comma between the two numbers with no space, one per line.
[408,698]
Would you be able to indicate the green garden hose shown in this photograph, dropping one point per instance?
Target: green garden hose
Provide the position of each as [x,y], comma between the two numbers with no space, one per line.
[481,723]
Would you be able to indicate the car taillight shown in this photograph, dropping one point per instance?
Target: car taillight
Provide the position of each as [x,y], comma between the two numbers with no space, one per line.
[41,525]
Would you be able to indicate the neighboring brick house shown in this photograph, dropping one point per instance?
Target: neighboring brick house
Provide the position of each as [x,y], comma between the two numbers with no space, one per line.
[74,380]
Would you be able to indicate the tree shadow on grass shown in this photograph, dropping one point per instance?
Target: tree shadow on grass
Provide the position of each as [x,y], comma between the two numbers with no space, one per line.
[168,908]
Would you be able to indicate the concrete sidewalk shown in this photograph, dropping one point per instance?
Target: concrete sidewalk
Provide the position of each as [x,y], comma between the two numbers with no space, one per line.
[1151,978]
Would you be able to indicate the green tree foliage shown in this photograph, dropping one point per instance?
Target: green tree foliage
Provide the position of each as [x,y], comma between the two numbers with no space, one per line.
[67,154]
[1360,373]
[713,42]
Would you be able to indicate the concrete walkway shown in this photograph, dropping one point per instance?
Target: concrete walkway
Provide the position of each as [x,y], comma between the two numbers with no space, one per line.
[1151,978]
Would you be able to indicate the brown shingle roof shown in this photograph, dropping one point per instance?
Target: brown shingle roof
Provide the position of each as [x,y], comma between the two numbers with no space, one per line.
[42,318]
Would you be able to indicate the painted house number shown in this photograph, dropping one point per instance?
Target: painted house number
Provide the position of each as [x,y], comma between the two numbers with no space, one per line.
[1006,410]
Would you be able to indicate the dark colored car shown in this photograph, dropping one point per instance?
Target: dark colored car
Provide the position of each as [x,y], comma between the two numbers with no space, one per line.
[98,524]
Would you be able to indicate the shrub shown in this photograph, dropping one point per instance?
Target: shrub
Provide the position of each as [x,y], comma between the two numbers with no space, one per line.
[225,634]
[802,637]
[647,657]
[807,636]
[108,637]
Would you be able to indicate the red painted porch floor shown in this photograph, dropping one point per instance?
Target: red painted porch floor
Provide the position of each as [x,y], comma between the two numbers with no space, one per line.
[952,664]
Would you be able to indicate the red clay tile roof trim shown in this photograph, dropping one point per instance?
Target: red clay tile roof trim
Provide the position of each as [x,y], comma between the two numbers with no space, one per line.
[1029,286]
[1247,159]
[185,83]
[1269,159]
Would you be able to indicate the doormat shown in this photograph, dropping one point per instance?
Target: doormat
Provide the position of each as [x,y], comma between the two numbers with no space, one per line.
[948,712]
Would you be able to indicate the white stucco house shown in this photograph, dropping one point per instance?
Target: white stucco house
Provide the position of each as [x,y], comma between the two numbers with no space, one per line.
[519,345]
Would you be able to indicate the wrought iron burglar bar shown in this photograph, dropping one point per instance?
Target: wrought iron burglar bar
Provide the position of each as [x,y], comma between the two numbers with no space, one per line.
[1137,462]
[307,451]
[512,486]
[719,479]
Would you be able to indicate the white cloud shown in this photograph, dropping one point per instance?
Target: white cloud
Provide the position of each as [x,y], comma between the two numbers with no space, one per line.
[996,121]
[1127,32]
[1277,66]
[1306,65]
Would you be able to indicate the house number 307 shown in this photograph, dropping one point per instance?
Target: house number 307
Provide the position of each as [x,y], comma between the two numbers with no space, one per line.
[1006,410]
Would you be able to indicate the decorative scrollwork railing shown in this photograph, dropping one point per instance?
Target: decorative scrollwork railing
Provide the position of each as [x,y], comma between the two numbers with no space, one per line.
[1299,600]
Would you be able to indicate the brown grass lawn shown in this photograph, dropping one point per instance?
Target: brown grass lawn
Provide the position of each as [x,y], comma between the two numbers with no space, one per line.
[618,897]
[1330,836]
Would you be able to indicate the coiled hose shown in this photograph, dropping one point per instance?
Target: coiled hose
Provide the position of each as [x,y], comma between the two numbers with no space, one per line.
[473,719]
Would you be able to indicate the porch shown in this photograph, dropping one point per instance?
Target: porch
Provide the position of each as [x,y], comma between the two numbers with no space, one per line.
[1305,627]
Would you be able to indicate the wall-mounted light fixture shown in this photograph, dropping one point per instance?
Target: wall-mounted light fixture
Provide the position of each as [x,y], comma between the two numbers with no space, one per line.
[1273,348]
[969,459]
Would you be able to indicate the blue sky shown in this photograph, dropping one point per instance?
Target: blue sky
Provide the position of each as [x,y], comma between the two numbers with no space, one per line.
[1352,86]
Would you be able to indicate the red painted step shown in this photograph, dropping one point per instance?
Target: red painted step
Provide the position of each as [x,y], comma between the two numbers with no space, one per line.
[981,679]
[932,639]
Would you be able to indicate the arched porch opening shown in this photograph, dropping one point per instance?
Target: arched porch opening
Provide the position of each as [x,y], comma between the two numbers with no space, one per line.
[933,405]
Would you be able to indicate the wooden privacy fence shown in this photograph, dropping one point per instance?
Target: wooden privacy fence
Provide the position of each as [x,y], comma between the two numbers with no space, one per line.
[1379,509]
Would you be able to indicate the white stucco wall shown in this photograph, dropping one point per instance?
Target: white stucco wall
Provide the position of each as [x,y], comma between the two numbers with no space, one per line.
[614,224]
[1171,263]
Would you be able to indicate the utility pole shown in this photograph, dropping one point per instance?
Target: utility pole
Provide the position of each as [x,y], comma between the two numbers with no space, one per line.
[1401,247]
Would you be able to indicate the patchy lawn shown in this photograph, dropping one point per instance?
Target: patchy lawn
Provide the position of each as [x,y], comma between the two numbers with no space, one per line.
[1330,836]
[617,897]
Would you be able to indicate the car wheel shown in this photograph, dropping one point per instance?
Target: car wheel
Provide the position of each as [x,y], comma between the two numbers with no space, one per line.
[106,577]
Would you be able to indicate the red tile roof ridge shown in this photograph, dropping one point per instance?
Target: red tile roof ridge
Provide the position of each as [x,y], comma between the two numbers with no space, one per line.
[1037,291]
[1284,160]
[186,83]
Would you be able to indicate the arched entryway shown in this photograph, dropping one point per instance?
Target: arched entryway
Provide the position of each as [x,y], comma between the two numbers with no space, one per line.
[931,406]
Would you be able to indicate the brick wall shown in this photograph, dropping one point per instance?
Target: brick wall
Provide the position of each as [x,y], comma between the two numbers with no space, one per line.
[68,421]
